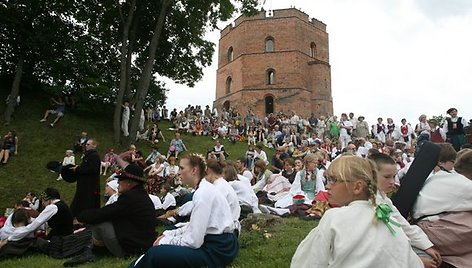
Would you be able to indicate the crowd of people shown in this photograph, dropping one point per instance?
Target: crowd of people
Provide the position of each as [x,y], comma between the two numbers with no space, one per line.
[322,168]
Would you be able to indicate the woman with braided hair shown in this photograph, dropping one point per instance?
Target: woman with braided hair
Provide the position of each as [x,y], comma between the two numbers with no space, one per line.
[208,240]
[358,233]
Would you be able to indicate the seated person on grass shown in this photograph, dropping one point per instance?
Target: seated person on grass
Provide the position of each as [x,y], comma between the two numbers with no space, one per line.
[9,147]
[387,170]
[56,214]
[358,233]
[208,240]
[58,111]
[445,203]
[125,227]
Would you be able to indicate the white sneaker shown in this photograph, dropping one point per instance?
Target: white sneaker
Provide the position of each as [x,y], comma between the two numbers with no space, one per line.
[42,120]
[59,178]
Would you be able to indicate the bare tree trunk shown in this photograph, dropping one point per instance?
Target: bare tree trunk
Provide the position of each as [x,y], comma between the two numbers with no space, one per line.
[146,75]
[15,90]
[131,42]
[123,73]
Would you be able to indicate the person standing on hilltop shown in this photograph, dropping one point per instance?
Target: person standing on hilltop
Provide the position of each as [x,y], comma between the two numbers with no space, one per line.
[87,175]
[454,128]
[125,118]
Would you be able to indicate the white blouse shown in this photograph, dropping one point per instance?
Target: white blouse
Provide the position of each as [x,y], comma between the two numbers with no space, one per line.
[444,192]
[168,201]
[417,237]
[246,195]
[349,237]
[210,215]
[225,188]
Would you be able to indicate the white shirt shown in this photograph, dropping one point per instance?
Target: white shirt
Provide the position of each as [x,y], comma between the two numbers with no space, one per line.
[246,195]
[210,215]
[8,229]
[343,131]
[156,201]
[247,174]
[112,199]
[159,169]
[245,179]
[126,112]
[45,215]
[444,192]
[172,170]
[225,188]
[262,155]
[168,201]
[68,160]
[348,237]
[417,237]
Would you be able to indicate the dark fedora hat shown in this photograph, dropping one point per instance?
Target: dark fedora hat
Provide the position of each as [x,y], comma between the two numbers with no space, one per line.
[50,193]
[132,172]
[68,174]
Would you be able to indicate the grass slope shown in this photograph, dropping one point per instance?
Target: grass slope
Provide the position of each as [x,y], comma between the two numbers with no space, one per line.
[38,144]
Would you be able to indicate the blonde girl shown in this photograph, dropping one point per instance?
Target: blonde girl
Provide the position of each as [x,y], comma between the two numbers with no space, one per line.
[357,234]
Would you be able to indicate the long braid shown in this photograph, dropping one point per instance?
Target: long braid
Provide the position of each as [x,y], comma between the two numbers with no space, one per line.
[372,184]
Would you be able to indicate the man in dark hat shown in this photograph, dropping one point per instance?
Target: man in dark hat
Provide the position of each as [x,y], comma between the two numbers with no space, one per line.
[454,128]
[87,175]
[125,227]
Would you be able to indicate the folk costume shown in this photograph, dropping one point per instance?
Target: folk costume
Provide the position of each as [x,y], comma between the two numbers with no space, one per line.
[348,237]
[445,203]
[208,240]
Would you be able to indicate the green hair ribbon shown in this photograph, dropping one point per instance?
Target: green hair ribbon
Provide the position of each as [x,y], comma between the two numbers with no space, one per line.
[382,212]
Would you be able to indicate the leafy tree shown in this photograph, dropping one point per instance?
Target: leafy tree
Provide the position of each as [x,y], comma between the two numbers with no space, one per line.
[35,36]
[170,40]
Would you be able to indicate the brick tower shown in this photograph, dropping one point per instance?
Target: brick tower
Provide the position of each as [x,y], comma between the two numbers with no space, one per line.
[274,63]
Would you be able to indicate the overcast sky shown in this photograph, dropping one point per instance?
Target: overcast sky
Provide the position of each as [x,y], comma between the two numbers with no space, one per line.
[389,58]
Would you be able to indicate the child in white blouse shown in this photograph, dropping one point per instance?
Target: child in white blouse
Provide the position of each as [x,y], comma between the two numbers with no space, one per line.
[356,234]
[69,159]
[167,199]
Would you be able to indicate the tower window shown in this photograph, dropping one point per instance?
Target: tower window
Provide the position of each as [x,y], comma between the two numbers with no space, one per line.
[313,50]
[269,44]
[229,83]
[270,77]
[230,54]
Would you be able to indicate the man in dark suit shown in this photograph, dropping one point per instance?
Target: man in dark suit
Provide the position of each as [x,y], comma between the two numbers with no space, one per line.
[126,227]
[87,175]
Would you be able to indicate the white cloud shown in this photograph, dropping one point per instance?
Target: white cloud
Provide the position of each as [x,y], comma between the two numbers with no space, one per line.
[389,58]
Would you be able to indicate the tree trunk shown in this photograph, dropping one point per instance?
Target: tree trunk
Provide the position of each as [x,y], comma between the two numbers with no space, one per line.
[131,42]
[146,75]
[15,90]
[123,74]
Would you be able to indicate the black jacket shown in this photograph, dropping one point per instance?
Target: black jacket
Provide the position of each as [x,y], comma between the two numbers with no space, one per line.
[133,218]
[87,193]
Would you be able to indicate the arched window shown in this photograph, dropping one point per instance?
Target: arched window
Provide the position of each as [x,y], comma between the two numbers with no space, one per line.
[270,77]
[229,83]
[269,44]
[230,54]
[313,50]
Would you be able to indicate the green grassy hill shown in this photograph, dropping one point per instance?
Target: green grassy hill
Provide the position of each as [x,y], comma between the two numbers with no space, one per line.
[39,144]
